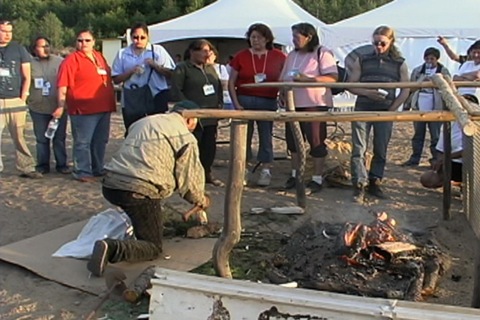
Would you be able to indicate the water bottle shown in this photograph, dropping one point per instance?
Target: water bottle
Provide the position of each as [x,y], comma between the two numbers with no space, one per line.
[52,127]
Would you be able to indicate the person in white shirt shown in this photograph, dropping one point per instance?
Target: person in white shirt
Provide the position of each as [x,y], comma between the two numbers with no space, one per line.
[223,75]
[470,71]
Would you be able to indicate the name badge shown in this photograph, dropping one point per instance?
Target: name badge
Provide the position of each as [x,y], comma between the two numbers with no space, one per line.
[208,89]
[4,72]
[102,72]
[293,73]
[38,82]
[260,77]
[46,89]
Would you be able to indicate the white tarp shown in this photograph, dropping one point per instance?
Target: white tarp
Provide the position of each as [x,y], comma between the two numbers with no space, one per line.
[231,19]
[417,23]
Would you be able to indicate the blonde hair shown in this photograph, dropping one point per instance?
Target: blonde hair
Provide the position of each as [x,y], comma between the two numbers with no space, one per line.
[388,32]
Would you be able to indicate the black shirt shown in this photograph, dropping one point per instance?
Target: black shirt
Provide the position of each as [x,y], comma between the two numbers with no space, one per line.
[11,59]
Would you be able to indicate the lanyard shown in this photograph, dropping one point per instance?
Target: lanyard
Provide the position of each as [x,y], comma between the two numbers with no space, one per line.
[45,68]
[294,65]
[204,74]
[98,67]
[264,63]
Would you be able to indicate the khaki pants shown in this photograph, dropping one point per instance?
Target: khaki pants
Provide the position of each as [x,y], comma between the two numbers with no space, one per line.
[13,114]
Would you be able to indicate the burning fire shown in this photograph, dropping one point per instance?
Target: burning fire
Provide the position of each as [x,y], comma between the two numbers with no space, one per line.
[360,240]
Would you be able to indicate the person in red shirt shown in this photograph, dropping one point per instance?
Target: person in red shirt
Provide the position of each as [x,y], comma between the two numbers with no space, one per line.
[85,91]
[261,62]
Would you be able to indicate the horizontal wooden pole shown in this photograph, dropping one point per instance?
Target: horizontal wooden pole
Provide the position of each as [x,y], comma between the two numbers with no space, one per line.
[434,116]
[363,85]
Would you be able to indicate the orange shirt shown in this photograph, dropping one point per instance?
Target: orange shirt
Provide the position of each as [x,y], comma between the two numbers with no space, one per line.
[89,84]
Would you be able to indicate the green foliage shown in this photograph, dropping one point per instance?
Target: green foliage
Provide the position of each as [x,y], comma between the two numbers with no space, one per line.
[61,19]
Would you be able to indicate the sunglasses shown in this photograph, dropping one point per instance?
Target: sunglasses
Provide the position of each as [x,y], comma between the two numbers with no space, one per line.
[84,40]
[139,37]
[380,43]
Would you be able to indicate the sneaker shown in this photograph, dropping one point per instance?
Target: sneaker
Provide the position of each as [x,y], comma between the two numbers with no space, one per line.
[99,259]
[246,179]
[359,194]
[290,184]
[264,179]
[64,170]
[410,163]
[375,190]
[32,175]
[313,187]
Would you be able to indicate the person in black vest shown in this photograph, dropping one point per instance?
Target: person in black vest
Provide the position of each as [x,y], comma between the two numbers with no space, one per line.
[425,99]
[385,64]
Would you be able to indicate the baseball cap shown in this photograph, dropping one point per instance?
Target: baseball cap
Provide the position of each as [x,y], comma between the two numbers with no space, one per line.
[184,105]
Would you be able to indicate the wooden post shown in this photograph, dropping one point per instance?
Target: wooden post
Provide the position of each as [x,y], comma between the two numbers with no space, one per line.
[302,156]
[232,224]
[447,170]
[476,272]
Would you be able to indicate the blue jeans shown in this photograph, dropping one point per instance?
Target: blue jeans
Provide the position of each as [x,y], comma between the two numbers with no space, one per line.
[265,128]
[90,137]
[419,139]
[40,124]
[382,132]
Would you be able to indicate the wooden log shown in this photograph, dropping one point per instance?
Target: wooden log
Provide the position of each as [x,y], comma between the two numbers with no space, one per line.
[447,168]
[232,225]
[454,105]
[371,116]
[432,275]
[302,155]
[351,85]
[140,285]
[471,108]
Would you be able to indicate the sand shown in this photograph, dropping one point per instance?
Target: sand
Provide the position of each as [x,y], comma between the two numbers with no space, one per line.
[31,207]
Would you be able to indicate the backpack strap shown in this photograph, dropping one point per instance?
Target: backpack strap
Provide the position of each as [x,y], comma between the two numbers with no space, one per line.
[151,69]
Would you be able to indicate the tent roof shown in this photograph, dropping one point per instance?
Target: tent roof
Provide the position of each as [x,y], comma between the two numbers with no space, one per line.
[231,19]
[416,18]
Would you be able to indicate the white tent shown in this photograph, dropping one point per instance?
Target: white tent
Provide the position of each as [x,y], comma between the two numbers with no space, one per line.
[231,18]
[417,23]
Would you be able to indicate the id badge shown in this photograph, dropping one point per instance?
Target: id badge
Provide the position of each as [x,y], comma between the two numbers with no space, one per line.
[38,82]
[260,77]
[208,89]
[102,72]
[293,73]
[46,89]
[4,72]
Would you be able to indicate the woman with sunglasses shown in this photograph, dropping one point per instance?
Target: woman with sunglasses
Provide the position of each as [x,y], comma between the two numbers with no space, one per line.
[139,64]
[85,91]
[385,64]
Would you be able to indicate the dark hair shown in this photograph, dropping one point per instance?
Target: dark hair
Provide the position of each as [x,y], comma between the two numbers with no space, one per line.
[33,45]
[139,25]
[471,98]
[475,45]
[264,30]
[390,34]
[432,52]
[86,31]
[307,30]
[197,45]
[6,23]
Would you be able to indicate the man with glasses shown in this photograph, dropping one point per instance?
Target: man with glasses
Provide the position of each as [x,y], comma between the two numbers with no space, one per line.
[15,78]
[385,64]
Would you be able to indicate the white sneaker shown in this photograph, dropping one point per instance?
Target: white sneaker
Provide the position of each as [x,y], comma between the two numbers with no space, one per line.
[264,179]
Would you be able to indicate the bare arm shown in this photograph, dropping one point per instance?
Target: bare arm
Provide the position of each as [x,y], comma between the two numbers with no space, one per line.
[125,76]
[404,92]
[452,55]
[61,102]
[26,80]
[231,89]
[330,77]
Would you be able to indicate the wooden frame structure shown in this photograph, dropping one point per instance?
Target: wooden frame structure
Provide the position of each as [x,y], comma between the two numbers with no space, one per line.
[460,110]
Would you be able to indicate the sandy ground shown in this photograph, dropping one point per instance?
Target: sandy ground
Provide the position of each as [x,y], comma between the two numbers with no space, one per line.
[31,207]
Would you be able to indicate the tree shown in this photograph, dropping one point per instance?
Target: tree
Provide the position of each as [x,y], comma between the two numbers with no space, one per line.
[51,27]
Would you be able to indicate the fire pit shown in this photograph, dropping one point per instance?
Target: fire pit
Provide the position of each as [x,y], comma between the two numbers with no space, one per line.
[375,260]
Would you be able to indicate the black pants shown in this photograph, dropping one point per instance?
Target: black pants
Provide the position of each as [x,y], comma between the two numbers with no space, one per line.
[160,102]
[207,144]
[147,220]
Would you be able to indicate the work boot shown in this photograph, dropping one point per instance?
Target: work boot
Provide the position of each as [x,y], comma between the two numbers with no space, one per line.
[359,194]
[313,187]
[211,180]
[290,184]
[410,163]
[101,255]
[374,189]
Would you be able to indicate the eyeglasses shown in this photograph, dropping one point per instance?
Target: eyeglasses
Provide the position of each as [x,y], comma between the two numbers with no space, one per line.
[45,46]
[84,40]
[380,43]
[139,37]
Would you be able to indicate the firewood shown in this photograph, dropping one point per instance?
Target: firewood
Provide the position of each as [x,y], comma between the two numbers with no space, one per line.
[432,275]
[396,247]
[139,286]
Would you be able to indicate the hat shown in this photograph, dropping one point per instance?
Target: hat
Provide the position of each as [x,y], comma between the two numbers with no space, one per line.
[184,105]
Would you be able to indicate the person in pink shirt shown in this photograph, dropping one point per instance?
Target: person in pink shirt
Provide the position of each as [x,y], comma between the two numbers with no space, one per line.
[309,62]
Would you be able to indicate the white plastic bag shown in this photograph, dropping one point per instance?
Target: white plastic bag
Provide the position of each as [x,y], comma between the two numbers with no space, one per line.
[110,223]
